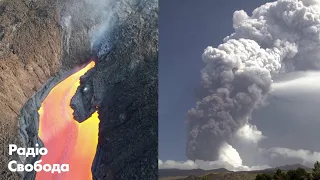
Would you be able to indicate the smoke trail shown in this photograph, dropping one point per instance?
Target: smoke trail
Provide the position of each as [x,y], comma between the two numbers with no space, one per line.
[113,13]
[88,25]
[279,37]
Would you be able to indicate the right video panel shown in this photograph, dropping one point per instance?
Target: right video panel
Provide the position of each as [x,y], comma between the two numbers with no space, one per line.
[239,89]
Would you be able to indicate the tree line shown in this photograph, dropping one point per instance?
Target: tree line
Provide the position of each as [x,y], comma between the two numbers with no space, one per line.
[298,174]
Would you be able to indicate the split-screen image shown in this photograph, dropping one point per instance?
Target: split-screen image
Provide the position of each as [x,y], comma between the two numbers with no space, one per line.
[159,90]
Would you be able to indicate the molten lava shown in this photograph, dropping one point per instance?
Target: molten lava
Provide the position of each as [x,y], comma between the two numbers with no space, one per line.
[67,141]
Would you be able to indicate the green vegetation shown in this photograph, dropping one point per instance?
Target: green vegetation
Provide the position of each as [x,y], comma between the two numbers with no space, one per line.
[316,171]
[298,174]
[263,177]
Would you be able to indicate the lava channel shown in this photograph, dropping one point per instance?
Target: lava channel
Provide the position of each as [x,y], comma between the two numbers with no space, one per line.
[67,141]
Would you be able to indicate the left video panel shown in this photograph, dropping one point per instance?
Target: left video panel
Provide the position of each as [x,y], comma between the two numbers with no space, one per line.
[79,90]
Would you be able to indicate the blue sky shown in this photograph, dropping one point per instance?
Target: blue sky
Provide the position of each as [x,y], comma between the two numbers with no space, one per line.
[186,28]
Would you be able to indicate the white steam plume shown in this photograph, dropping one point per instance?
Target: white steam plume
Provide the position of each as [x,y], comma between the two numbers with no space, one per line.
[229,159]
[246,139]
[250,134]
[97,19]
[279,37]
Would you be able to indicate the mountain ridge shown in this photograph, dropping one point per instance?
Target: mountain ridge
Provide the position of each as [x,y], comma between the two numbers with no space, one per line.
[164,173]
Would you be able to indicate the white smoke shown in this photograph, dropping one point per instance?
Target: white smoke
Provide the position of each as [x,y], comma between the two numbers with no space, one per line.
[229,159]
[247,139]
[229,155]
[97,19]
[239,17]
[250,134]
[66,26]
[114,14]
[279,38]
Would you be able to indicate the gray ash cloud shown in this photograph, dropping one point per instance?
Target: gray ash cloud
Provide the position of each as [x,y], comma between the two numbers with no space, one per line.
[279,37]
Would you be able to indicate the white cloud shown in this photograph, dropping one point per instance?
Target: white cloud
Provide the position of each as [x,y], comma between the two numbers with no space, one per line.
[310,2]
[170,164]
[206,165]
[305,82]
[306,156]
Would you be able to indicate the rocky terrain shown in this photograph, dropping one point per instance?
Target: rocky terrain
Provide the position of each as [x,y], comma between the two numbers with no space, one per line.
[123,87]
[33,47]
[25,28]
[41,41]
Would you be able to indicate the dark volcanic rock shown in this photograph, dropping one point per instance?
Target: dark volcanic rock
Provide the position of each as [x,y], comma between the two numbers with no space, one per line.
[25,65]
[123,87]
[40,42]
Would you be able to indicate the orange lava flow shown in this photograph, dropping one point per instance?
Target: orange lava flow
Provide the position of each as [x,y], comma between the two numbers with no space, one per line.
[67,141]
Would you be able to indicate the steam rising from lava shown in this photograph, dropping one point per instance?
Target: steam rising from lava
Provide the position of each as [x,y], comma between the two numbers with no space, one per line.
[67,141]
[279,37]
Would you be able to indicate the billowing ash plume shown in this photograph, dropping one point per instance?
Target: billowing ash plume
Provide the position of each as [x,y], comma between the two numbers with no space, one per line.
[279,37]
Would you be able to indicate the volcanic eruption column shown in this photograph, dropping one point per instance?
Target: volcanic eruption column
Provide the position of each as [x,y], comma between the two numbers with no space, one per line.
[67,141]
[279,37]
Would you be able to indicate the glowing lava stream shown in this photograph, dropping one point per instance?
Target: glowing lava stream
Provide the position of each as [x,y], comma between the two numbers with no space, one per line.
[67,141]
